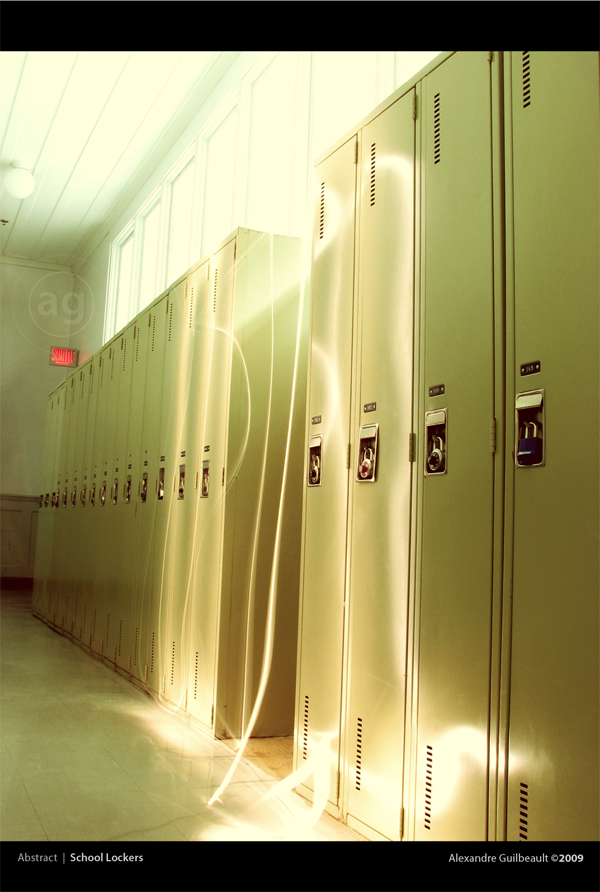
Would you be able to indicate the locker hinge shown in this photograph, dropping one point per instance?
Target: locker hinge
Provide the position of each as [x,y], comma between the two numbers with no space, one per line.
[412,447]
[356,152]
[493,435]
[414,106]
[223,478]
[212,715]
[349,449]
[337,786]
[401,823]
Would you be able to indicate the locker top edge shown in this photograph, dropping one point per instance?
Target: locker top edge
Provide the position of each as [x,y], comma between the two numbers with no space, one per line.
[240,231]
[389,100]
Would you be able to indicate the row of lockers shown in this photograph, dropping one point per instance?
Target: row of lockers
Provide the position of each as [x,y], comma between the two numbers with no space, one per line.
[439,575]
[174,458]
[448,641]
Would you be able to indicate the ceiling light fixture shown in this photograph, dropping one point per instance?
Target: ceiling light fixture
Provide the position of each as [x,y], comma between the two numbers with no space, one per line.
[18,181]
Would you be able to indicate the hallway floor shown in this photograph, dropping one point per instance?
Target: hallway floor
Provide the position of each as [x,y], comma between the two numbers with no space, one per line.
[86,756]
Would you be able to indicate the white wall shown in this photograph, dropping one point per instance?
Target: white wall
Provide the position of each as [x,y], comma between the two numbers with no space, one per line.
[39,310]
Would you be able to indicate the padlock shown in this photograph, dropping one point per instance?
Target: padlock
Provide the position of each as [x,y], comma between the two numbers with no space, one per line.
[366,468]
[435,458]
[315,469]
[205,482]
[531,448]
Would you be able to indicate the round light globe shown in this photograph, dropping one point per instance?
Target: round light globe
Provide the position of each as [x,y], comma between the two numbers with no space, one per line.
[19,183]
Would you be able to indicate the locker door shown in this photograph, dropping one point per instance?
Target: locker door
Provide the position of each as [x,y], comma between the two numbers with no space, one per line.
[43,549]
[193,547]
[209,555]
[77,543]
[187,486]
[65,587]
[381,499]
[121,514]
[144,644]
[179,350]
[95,519]
[137,344]
[553,744]
[168,456]
[457,294]
[60,446]
[323,579]
[88,497]
[103,606]
[59,576]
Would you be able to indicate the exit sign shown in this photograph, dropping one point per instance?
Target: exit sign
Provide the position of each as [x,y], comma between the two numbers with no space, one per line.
[64,357]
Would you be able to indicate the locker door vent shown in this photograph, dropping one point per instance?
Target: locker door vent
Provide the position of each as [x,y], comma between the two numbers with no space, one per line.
[107,628]
[81,378]
[135,647]
[66,609]
[358,749]
[112,364]
[101,372]
[137,343]
[72,390]
[372,174]
[120,634]
[173,664]
[124,352]
[526,81]
[322,211]
[305,730]
[94,627]
[196,678]
[191,305]
[84,617]
[523,810]
[215,292]
[91,377]
[436,129]
[170,320]
[428,786]
[153,330]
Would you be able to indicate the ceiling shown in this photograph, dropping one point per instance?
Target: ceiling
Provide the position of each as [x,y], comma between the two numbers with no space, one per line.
[91,127]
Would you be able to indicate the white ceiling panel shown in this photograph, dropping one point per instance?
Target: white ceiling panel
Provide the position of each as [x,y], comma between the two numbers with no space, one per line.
[92,127]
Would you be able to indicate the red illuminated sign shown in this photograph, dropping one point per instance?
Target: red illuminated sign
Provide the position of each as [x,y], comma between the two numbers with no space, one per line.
[63,356]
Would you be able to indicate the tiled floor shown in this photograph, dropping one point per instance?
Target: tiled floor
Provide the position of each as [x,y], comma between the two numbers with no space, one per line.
[86,756]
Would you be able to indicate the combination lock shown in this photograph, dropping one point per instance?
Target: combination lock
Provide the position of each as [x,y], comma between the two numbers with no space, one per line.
[315,469]
[436,456]
[366,467]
